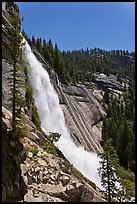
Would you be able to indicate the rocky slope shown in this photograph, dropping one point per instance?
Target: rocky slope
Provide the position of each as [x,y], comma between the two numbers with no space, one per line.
[33,172]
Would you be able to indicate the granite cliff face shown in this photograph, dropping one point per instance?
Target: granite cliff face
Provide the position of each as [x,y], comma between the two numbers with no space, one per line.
[83,109]
[83,114]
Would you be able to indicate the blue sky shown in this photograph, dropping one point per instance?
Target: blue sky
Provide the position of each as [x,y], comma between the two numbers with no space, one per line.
[78,25]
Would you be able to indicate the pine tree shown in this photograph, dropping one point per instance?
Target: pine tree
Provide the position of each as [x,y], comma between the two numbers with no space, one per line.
[54,136]
[46,53]
[113,132]
[39,45]
[24,34]
[125,139]
[111,172]
[106,97]
[107,172]
[44,47]
[50,47]
[109,110]
[56,59]
[16,81]
[33,40]
[62,69]
[50,52]
[104,131]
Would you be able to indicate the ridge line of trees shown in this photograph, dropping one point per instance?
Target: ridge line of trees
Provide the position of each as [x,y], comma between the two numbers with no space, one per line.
[80,65]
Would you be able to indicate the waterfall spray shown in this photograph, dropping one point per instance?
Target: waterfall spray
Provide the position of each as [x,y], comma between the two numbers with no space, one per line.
[52,118]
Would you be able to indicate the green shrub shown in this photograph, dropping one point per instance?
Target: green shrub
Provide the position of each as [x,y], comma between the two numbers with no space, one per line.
[49,148]
[66,166]
[22,131]
[34,151]
[28,95]
[35,117]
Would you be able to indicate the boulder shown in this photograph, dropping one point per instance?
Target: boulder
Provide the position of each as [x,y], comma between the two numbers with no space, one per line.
[30,154]
[37,169]
[65,180]
[40,176]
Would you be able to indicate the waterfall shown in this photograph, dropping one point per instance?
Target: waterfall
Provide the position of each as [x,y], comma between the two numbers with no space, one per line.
[52,118]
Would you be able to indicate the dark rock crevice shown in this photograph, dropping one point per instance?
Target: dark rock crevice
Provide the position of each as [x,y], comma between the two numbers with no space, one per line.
[13,185]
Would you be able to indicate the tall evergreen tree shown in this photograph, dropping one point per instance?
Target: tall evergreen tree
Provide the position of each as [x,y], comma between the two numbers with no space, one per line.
[104,131]
[39,45]
[16,81]
[124,145]
[106,96]
[50,52]
[50,47]
[56,59]
[33,40]
[44,46]
[107,172]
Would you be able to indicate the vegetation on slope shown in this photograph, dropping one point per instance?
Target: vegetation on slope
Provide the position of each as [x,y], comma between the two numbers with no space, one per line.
[118,183]
[80,65]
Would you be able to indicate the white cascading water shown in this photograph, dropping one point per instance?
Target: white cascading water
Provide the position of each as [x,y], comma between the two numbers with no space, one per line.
[52,118]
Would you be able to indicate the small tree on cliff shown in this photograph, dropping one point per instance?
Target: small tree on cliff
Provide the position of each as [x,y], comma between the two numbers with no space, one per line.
[54,136]
[16,81]
[107,172]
